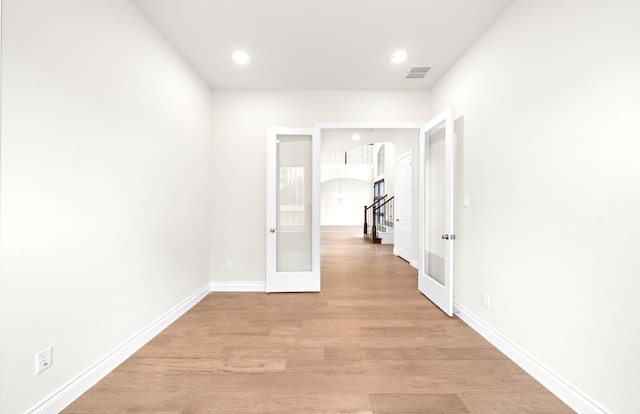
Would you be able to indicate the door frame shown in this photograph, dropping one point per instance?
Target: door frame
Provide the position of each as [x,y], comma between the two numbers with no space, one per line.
[318,128]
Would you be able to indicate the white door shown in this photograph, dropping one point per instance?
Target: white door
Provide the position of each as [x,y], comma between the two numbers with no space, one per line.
[403,204]
[435,275]
[293,216]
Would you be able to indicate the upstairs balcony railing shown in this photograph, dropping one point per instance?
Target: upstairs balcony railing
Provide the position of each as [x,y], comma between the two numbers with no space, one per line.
[359,155]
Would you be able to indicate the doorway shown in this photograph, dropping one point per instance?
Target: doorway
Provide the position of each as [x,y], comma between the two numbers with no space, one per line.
[381,143]
[428,281]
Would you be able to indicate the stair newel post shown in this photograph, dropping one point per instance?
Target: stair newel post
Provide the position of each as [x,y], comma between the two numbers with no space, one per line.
[374,233]
[365,220]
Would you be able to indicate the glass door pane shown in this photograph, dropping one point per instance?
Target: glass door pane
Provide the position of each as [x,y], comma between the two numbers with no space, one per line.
[435,247]
[294,203]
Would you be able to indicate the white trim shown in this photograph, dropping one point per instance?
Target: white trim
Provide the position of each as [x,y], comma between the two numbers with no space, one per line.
[68,393]
[553,382]
[414,263]
[368,125]
[83,382]
[238,286]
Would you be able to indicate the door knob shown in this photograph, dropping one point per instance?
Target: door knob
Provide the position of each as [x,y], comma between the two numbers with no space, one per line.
[272,230]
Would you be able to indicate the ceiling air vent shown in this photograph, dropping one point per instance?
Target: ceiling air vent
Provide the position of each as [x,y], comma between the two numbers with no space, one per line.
[418,72]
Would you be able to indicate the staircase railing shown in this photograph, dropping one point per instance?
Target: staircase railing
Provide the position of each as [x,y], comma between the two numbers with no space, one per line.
[378,216]
[362,155]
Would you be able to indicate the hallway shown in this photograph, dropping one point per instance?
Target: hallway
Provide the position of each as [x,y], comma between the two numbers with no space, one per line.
[368,343]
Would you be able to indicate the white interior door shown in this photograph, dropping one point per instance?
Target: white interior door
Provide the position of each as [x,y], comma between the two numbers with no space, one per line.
[435,275]
[293,216]
[403,203]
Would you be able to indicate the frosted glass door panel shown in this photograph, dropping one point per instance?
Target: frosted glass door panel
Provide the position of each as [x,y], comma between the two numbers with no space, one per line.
[434,253]
[294,204]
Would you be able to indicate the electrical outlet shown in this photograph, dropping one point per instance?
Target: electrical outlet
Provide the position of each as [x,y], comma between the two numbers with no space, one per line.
[44,359]
[229,265]
[485,300]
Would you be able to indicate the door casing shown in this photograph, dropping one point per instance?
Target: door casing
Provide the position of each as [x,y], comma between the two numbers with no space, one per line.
[316,131]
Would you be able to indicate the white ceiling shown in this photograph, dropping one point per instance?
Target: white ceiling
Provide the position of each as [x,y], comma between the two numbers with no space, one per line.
[334,141]
[321,44]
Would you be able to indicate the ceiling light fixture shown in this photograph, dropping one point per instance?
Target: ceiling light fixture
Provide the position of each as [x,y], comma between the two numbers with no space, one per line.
[240,57]
[399,56]
[355,137]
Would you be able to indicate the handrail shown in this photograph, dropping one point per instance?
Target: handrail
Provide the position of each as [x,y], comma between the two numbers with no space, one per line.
[372,212]
[383,204]
[377,201]
[366,211]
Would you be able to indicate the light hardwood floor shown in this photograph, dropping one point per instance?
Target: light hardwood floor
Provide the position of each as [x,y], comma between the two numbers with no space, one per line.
[368,343]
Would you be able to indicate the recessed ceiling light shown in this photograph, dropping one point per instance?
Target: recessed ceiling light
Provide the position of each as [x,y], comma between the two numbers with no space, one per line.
[355,137]
[399,56]
[240,57]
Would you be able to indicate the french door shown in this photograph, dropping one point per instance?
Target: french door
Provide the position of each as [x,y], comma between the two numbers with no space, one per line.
[293,216]
[437,155]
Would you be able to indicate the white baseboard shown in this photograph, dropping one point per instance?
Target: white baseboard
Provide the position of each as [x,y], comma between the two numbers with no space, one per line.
[238,286]
[76,387]
[413,262]
[554,383]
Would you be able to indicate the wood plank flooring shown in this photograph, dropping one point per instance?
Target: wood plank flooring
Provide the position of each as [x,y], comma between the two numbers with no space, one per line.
[368,343]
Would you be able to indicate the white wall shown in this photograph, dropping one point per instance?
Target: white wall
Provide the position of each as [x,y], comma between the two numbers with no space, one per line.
[239,129]
[361,172]
[354,181]
[350,210]
[550,100]
[105,187]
